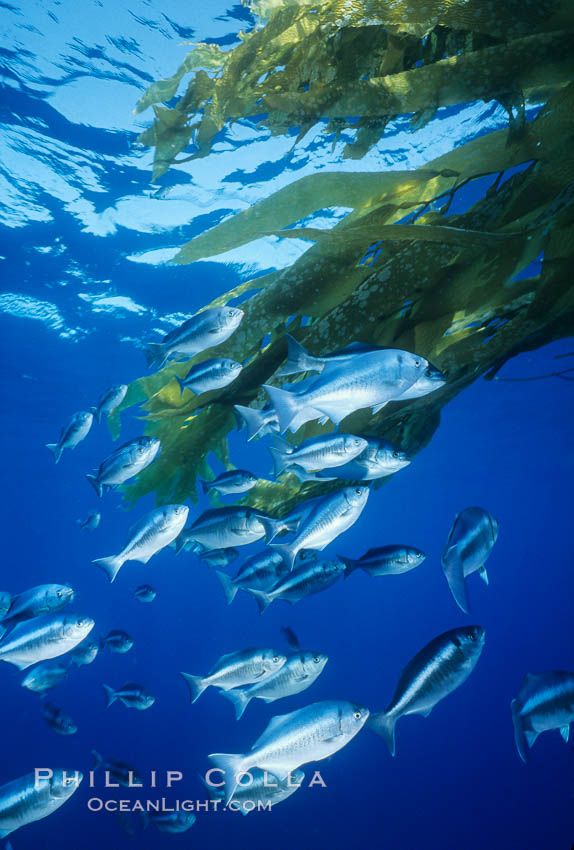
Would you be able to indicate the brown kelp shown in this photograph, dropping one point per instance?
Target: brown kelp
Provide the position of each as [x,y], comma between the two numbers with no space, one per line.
[402,269]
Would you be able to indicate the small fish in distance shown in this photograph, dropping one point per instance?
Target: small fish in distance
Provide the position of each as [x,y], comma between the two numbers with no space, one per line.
[58,720]
[121,772]
[123,463]
[145,593]
[470,542]
[545,702]
[298,673]
[260,572]
[378,460]
[152,533]
[434,673]
[32,797]
[44,676]
[232,482]
[242,667]
[209,375]
[75,430]
[223,528]
[204,330]
[330,517]
[312,733]
[385,561]
[131,695]
[118,641]
[219,557]
[109,400]
[290,637]
[85,653]
[91,522]
[174,823]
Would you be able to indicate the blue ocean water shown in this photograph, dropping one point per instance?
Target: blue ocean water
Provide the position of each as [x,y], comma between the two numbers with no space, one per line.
[84,280]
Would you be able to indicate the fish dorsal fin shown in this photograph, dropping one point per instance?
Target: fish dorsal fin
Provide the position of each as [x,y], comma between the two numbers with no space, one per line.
[273,727]
[533,682]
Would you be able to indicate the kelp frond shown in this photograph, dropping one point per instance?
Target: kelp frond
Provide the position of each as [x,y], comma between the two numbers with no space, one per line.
[403,268]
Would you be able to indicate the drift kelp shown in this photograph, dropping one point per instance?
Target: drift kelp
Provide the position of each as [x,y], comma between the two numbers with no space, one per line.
[400,270]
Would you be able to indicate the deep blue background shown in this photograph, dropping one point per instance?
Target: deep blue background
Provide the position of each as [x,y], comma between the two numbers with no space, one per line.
[456,782]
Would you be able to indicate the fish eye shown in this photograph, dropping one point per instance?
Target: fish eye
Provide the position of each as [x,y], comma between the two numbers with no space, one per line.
[275,659]
[141,450]
[472,636]
[316,659]
[395,454]
[59,593]
[356,715]
[358,491]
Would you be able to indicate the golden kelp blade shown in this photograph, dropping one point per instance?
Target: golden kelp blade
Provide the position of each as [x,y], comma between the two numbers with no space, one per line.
[400,269]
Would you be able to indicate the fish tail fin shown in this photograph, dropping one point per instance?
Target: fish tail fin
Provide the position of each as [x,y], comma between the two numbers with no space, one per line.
[383,724]
[286,405]
[286,552]
[156,355]
[97,413]
[252,419]
[111,566]
[229,588]
[93,479]
[298,358]
[272,527]
[181,383]
[56,450]
[239,699]
[206,486]
[280,461]
[519,736]
[350,565]
[98,760]
[110,695]
[179,543]
[263,599]
[454,574]
[230,764]
[195,684]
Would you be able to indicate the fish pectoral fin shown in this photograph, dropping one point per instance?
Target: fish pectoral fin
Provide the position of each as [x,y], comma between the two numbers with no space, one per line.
[530,736]
[483,574]
[426,712]
[302,678]
[333,738]
[565,732]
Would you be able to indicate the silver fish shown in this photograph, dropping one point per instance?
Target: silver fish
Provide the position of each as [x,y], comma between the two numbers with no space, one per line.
[260,572]
[545,702]
[303,581]
[58,720]
[152,533]
[209,375]
[291,740]
[204,330]
[109,400]
[43,638]
[72,433]
[258,422]
[42,599]
[91,522]
[330,517]
[435,672]
[145,593]
[385,561]
[45,676]
[296,675]
[231,483]
[470,542]
[123,463]
[370,380]
[378,460]
[172,822]
[118,641]
[219,557]
[236,668]
[222,528]
[262,790]
[121,772]
[317,453]
[32,797]
[85,653]
[131,695]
